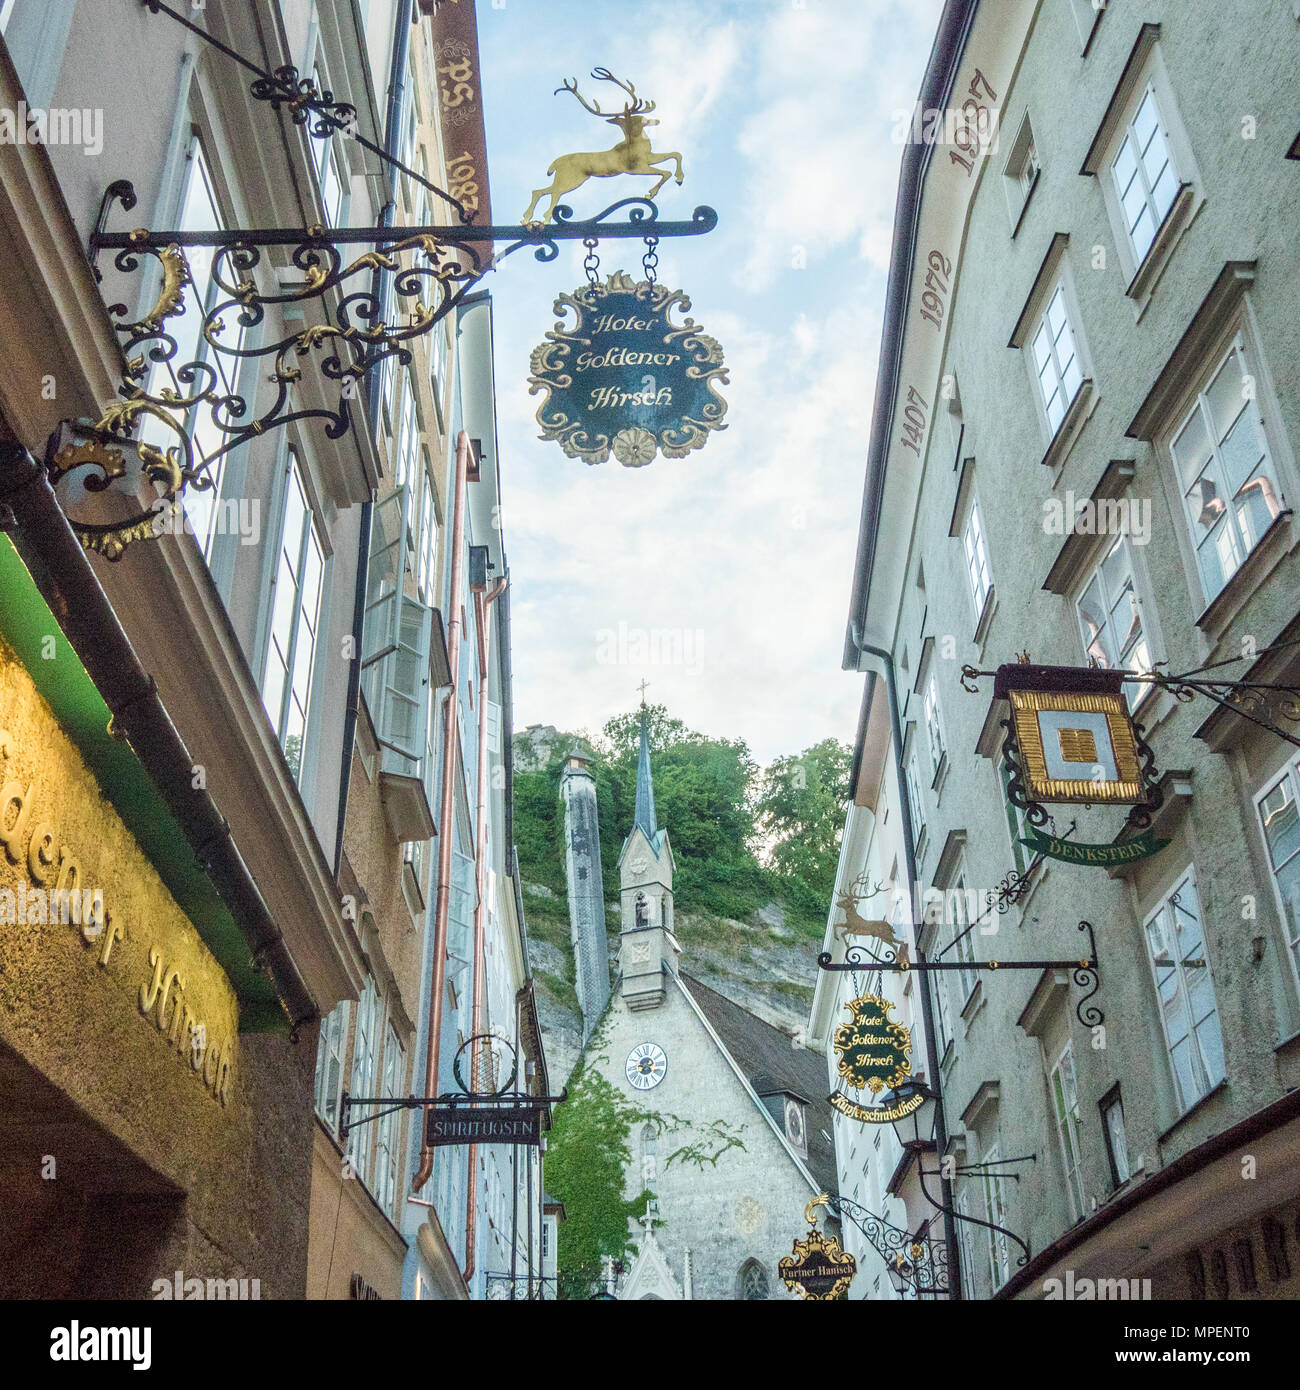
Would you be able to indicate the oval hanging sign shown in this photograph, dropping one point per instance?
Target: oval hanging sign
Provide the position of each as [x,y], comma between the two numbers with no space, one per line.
[875,1054]
[625,379]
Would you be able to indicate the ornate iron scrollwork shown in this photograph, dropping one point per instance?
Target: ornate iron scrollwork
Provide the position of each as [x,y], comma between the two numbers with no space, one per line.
[359,325]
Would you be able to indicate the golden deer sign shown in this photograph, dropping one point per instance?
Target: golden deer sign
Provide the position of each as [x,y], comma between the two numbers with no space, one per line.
[632,154]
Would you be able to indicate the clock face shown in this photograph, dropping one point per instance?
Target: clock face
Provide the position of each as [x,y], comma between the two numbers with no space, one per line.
[647,1065]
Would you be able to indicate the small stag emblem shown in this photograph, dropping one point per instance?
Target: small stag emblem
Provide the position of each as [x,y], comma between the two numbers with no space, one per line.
[632,154]
[876,929]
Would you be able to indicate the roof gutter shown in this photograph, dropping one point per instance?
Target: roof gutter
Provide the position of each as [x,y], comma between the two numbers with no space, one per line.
[936,87]
[63,573]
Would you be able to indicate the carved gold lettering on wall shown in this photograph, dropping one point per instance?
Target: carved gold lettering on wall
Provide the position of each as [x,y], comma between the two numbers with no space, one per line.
[33,844]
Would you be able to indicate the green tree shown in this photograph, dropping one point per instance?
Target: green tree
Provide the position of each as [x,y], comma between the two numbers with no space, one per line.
[587,1153]
[800,814]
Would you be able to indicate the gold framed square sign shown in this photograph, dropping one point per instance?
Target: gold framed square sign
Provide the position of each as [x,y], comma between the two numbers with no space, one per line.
[1077,746]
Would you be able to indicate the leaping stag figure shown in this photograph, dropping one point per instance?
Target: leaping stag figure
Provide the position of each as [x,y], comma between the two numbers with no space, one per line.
[632,154]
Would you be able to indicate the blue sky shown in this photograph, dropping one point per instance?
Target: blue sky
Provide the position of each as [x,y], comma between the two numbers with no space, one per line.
[738,557]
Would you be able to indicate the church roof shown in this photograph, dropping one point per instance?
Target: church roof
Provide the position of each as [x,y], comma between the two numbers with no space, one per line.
[765,1055]
[645,791]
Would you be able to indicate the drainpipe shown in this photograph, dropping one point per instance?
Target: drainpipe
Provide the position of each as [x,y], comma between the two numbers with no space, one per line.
[483,600]
[392,148]
[927,1007]
[446,801]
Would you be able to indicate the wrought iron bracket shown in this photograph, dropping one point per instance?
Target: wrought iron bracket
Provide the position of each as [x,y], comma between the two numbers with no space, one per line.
[1263,703]
[178,418]
[922,1262]
[449,1101]
[1086,969]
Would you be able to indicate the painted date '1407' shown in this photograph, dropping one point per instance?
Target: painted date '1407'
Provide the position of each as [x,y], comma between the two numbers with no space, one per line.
[914,417]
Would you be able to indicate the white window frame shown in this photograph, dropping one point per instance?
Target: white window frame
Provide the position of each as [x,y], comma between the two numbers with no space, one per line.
[1289,777]
[1063,1088]
[1241,345]
[995,1207]
[388,1137]
[979,573]
[1096,573]
[331,1052]
[1165,913]
[1048,350]
[202,507]
[934,723]
[1145,78]
[289,575]
[1129,141]
[1109,1103]
[362,1078]
[912,778]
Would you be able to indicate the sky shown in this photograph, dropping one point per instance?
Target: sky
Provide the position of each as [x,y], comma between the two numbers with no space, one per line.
[721,579]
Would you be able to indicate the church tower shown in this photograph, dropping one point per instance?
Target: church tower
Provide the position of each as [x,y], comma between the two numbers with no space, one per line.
[586,890]
[647,946]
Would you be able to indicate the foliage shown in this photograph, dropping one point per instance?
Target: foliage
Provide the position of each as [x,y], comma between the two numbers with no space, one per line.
[800,813]
[586,1154]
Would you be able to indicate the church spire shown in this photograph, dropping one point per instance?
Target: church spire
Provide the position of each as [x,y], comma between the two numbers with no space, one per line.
[645,792]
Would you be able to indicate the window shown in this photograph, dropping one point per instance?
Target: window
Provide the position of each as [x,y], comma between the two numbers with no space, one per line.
[1057,367]
[388,1136]
[995,1206]
[199,212]
[1015,819]
[1065,1109]
[1112,1121]
[650,1158]
[964,940]
[330,164]
[428,539]
[1225,472]
[942,1014]
[362,1081]
[933,728]
[408,439]
[1020,173]
[1185,991]
[961,1203]
[1281,827]
[1146,179]
[752,1281]
[1109,621]
[329,1065]
[977,559]
[914,802]
[410,144]
[295,615]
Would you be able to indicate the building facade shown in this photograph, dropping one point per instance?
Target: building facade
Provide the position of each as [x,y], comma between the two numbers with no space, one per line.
[306,665]
[1084,447]
[732,1134]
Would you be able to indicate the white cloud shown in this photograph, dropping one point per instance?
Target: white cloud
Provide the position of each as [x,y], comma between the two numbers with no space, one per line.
[784,118]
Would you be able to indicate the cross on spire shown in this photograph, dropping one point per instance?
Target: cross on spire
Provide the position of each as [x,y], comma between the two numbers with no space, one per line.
[642,689]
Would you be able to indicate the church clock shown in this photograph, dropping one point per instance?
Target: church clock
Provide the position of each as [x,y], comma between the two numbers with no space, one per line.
[647,1064]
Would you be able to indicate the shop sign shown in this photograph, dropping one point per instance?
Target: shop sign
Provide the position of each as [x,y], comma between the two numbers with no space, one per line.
[875,1055]
[624,378]
[521,1124]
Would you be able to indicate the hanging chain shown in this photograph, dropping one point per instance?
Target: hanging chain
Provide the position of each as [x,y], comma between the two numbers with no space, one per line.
[651,259]
[592,262]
